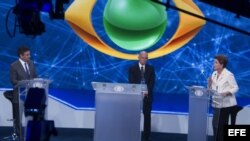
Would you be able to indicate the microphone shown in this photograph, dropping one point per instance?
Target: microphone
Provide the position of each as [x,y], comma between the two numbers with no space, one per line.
[215,75]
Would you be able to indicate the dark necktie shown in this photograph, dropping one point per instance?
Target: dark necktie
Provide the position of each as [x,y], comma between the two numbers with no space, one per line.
[27,70]
[142,75]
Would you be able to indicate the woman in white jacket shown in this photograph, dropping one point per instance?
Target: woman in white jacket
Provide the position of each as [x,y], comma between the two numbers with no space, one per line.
[224,83]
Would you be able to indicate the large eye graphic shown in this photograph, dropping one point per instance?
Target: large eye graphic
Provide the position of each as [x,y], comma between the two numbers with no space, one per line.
[132,30]
[134,24]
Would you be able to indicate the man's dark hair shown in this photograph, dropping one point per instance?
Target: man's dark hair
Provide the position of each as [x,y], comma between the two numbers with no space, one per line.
[21,50]
[222,59]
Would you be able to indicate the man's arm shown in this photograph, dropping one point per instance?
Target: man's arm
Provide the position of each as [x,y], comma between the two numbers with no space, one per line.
[13,75]
[34,74]
[233,88]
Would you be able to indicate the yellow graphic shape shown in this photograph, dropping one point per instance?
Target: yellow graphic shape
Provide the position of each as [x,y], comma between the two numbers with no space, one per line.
[78,15]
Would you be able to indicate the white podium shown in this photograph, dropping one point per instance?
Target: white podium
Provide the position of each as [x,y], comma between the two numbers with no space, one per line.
[118,111]
[199,103]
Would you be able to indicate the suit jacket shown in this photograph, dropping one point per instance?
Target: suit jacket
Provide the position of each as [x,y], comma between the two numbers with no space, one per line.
[225,83]
[17,72]
[149,75]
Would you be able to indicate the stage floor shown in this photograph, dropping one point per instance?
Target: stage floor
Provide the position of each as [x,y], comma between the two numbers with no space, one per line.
[74,134]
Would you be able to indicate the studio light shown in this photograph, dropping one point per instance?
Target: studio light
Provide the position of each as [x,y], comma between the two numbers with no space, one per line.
[28,18]
[58,12]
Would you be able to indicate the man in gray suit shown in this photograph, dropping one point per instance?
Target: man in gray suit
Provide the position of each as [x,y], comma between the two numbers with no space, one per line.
[21,69]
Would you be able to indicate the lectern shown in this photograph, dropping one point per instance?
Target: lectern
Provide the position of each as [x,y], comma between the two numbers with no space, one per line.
[23,87]
[199,102]
[118,111]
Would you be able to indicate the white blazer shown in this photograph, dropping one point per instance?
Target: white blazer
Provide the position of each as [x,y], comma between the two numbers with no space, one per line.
[225,83]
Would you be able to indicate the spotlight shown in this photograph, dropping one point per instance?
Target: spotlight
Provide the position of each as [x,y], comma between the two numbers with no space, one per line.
[30,23]
[59,9]
[27,14]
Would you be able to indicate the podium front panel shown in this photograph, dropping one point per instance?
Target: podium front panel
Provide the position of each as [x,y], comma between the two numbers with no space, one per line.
[23,88]
[117,116]
[198,114]
[118,88]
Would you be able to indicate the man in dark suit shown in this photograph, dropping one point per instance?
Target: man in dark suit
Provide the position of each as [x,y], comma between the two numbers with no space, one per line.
[139,73]
[21,69]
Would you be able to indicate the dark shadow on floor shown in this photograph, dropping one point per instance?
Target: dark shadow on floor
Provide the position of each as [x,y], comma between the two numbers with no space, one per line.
[69,134]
